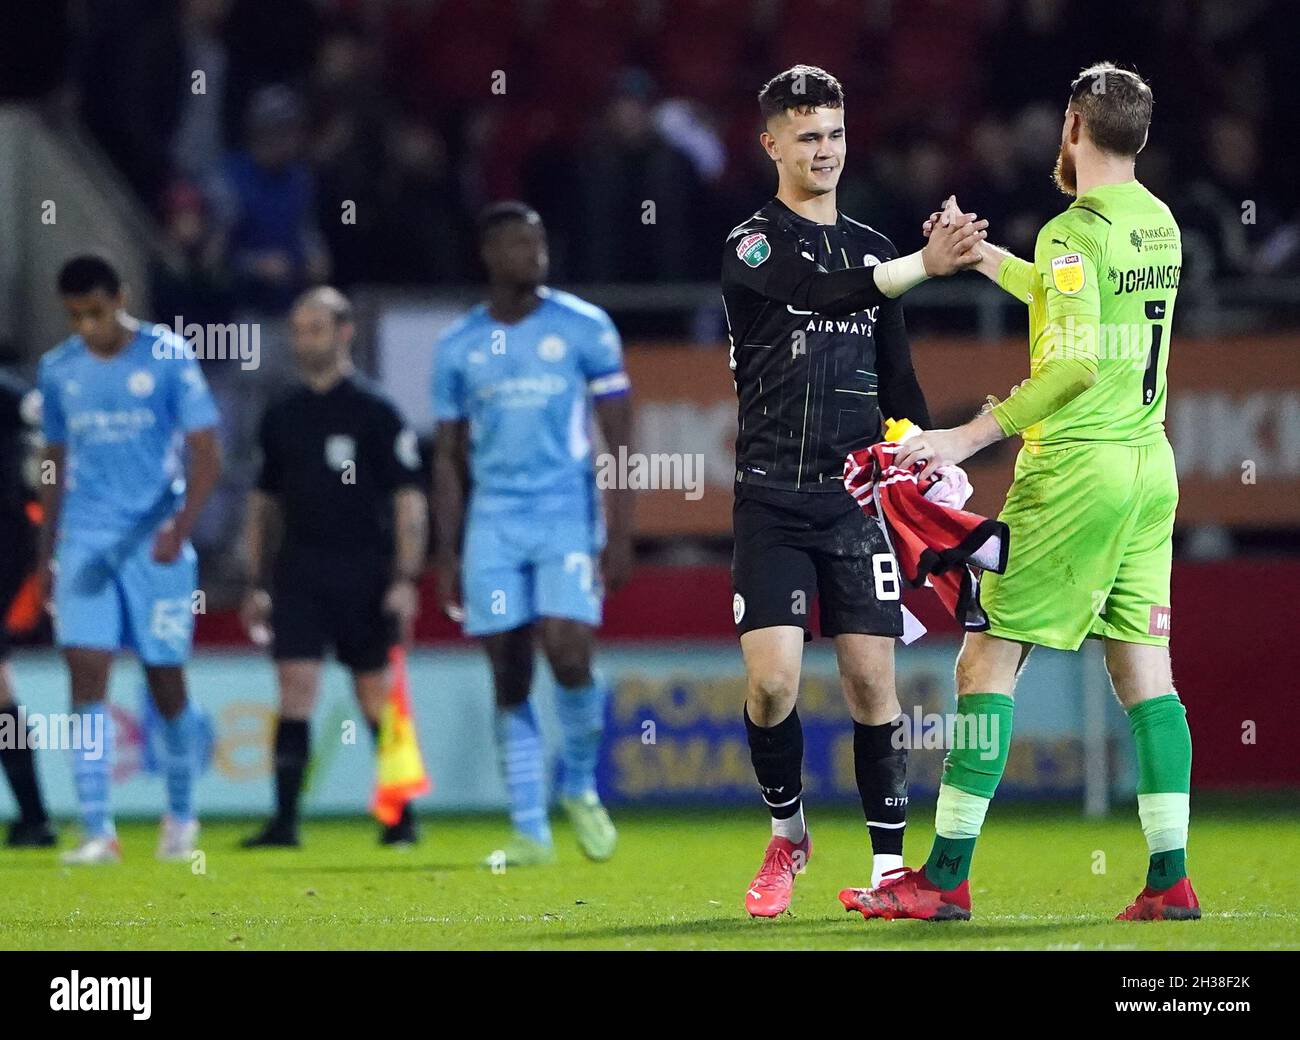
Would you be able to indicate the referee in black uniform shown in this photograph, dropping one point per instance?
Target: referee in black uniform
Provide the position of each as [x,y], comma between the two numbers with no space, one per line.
[19,411]
[819,349]
[342,482]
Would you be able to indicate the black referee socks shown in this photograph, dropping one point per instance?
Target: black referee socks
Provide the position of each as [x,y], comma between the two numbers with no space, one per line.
[880,764]
[292,750]
[777,754]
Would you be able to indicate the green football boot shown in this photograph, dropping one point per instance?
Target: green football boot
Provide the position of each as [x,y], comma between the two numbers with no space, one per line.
[596,834]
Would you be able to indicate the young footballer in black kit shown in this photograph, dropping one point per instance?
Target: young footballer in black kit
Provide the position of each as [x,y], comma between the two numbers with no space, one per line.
[341,478]
[819,351]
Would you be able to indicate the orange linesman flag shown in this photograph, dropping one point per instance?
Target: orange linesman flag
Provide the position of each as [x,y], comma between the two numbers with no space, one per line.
[399,774]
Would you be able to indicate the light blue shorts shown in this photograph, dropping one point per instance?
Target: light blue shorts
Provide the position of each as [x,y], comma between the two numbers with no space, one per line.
[113,601]
[523,561]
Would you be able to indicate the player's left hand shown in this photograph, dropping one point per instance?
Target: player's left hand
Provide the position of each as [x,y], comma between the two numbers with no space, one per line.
[616,562]
[934,448]
[167,544]
[402,601]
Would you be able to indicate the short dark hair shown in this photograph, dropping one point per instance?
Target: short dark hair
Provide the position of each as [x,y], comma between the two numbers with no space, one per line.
[802,87]
[1116,107]
[86,273]
[496,214]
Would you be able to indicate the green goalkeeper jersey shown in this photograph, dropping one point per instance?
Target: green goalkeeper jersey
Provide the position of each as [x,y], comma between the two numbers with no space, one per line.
[1101,296]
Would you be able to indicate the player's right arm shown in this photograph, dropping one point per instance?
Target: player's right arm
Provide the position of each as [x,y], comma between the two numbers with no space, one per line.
[1066,262]
[450,475]
[450,483]
[768,261]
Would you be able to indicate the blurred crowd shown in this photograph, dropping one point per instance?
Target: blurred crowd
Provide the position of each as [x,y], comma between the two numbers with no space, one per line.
[282,143]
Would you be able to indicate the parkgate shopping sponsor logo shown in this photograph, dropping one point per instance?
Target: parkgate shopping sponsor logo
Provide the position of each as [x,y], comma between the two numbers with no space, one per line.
[39,731]
[657,471]
[1153,238]
[239,341]
[75,992]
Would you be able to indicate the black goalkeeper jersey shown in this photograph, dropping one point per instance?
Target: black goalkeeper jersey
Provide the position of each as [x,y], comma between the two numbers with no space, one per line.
[817,351]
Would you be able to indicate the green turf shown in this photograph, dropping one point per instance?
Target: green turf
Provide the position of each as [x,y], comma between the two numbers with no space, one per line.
[676,883]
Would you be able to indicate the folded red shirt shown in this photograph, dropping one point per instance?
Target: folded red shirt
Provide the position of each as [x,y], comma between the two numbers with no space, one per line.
[947,546]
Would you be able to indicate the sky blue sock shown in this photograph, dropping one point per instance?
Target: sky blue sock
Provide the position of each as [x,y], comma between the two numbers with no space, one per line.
[582,725]
[520,747]
[93,775]
[179,765]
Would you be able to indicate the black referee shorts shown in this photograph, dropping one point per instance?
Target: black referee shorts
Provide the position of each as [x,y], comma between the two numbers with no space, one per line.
[323,599]
[792,546]
[17,557]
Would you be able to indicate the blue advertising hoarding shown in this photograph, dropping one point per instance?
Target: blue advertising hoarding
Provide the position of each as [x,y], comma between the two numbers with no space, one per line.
[675,729]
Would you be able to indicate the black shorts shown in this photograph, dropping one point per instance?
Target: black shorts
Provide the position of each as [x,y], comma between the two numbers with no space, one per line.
[324,599]
[17,557]
[794,545]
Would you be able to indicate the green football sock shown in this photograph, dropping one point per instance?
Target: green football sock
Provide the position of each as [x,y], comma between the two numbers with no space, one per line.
[1164,754]
[971,771]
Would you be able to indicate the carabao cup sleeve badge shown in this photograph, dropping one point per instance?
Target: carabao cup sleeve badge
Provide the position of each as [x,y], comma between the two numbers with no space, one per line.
[754,249]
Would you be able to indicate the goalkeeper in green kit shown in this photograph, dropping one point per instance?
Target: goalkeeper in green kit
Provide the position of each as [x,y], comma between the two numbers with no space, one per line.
[1091,509]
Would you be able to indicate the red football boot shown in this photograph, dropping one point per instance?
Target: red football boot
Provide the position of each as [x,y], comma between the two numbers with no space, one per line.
[769,894]
[909,893]
[1175,903]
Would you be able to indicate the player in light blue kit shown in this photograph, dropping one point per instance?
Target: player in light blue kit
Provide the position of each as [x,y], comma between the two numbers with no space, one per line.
[120,399]
[514,386]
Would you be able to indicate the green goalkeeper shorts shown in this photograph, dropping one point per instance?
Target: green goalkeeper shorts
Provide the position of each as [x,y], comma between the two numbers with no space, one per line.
[1091,543]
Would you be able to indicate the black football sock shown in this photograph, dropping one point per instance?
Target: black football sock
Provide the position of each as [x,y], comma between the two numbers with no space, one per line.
[292,751]
[777,754]
[20,768]
[880,763]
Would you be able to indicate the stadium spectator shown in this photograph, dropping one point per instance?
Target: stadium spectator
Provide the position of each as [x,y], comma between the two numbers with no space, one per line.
[269,43]
[188,278]
[265,203]
[1228,211]
[405,108]
[421,217]
[626,164]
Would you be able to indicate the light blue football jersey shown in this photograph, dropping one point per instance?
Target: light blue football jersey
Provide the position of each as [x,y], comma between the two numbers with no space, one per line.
[122,421]
[525,390]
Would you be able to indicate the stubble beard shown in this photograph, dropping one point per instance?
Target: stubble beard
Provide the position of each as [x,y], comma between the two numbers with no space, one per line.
[1064,173]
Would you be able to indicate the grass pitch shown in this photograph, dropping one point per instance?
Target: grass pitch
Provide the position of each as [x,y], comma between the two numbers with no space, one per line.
[1045,878]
